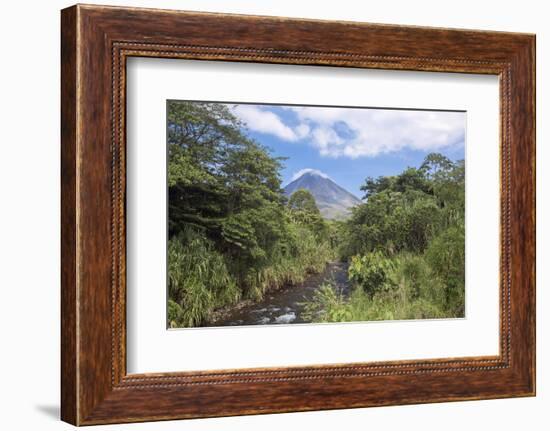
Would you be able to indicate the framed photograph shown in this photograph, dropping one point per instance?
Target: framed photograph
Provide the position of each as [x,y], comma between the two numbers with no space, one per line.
[264,214]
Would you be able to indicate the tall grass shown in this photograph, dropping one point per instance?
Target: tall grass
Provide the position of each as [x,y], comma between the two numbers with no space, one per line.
[303,255]
[201,279]
[198,279]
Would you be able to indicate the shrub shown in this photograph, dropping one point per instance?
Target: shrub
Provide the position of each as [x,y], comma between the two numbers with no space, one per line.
[446,256]
[370,271]
[328,305]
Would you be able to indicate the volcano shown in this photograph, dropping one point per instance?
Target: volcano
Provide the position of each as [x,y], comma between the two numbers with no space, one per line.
[333,201]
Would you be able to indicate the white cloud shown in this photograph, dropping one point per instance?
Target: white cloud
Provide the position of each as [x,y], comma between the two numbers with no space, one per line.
[302,130]
[305,171]
[325,138]
[371,132]
[264,121]
[356,132]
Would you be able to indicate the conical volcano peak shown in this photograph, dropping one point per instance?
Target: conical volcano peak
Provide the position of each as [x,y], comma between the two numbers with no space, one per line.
[309,172]
[333,201]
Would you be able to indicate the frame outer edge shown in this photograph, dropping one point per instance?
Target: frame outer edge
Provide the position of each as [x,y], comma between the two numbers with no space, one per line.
[533,54]
[69,213]
[532,101]
[523,178]
[87,396]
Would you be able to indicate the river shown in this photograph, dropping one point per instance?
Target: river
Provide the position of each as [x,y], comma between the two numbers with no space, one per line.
[284,306]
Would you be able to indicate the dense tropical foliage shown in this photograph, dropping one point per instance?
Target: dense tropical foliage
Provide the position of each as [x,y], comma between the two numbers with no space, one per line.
[406,249]
[233,235]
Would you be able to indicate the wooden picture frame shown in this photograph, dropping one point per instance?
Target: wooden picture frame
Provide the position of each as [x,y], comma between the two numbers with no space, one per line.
[95,43]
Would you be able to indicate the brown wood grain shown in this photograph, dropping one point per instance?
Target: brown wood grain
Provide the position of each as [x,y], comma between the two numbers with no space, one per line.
[96,41]
[69,370]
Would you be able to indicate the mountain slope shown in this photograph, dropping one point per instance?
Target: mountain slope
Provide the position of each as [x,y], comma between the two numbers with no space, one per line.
[333,201]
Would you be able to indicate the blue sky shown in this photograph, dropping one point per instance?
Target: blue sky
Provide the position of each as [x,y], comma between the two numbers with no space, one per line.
[351,144]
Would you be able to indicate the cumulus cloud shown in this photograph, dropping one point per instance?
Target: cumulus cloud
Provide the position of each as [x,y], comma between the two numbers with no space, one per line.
[370,132]
[302,130]
[307,170]
[354,133]
[265,121]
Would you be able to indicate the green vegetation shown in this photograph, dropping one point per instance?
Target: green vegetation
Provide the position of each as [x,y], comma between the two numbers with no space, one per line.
[232,233]
[405,245]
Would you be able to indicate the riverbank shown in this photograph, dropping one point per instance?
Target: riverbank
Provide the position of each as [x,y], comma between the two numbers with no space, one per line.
[286,305]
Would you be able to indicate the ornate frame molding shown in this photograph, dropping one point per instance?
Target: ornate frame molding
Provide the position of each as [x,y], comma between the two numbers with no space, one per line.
[96,41]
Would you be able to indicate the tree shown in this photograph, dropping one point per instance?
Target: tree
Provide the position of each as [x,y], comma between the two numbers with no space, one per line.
[304,211]
[200,138]
[436,165]
[217,175]
[303,200]
[403,212]
[373,186]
